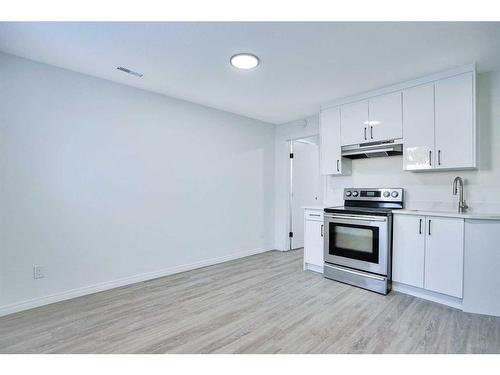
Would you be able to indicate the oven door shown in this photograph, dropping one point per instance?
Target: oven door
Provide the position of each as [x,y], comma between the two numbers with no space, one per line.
[357,241]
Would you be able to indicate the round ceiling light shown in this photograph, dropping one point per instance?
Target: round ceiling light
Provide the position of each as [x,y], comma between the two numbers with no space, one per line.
[244,61]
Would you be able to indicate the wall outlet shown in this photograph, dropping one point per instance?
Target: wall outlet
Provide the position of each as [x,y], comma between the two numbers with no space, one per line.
[38,272]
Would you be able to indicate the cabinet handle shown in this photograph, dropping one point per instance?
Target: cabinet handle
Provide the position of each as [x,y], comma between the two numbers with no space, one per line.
[338,169]
[322,225]
[439,157]
[365,133]
[430,158]
[318,215]
[429,227]
[420,227]
[371,132]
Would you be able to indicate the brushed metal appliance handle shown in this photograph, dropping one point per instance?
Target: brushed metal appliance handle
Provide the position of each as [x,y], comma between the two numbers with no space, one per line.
[365,133]
[360,218]
[439,157]
[381,278]
[371,132]
[430,158]
[322,230]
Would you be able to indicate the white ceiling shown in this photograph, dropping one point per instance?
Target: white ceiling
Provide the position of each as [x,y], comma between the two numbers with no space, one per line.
[302,64]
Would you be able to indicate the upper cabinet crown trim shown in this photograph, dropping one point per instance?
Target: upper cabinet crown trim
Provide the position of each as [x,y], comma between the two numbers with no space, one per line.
[403,85]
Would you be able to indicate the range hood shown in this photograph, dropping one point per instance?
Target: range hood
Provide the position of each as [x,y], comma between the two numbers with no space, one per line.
[373,149]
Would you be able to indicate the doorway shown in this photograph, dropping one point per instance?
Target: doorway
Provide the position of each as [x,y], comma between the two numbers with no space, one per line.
[304,187]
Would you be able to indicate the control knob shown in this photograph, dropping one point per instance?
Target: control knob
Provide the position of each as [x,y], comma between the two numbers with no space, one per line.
[355,193]
[348,193]
[386,194]
[394,194]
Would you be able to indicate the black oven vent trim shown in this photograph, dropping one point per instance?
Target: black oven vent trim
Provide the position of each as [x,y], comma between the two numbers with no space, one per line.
[372,257]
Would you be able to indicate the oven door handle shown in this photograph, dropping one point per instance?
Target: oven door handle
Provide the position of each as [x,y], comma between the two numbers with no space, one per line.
[359,218]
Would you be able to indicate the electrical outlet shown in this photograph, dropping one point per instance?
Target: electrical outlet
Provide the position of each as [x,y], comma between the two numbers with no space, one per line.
[38,272]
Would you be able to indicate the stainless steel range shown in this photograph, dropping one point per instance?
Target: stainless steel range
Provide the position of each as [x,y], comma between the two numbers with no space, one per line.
[358,238]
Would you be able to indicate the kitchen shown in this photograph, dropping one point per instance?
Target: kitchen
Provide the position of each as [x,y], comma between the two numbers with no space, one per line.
[440,250]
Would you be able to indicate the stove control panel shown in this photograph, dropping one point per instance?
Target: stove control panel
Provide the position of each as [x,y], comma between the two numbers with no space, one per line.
[375,194]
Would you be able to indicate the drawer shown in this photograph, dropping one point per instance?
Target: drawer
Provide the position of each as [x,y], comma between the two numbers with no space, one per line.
[314,215]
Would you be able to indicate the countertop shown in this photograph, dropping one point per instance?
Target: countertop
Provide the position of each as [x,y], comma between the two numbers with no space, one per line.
[466,215]
[315,207]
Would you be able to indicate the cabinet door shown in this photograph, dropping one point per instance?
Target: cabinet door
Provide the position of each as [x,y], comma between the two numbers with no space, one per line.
[408,250]
[354,123]
[385,117]
[455,123]
[313,242]
[330,150]
[418,128]
[444,255]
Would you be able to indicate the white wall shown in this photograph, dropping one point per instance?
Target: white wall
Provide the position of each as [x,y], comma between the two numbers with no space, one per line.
[434,189]
[101,182]
[284,133]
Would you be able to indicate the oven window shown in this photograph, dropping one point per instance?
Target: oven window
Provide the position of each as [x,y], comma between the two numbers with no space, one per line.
[354,241]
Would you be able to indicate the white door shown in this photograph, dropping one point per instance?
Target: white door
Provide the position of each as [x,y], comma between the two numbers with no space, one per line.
[313,242]
[305,184]
[455,122]
[385,117]
[418,128]
[354,123]
[330,149]
[444,255]
[408,251]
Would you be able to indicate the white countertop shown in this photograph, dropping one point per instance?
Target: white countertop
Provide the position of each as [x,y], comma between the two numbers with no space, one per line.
[315,207]
[466,215]
[426,211]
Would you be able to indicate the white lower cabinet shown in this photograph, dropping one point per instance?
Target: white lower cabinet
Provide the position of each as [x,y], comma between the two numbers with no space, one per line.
[444,255]
[409,250]
[313,240]
[428,253]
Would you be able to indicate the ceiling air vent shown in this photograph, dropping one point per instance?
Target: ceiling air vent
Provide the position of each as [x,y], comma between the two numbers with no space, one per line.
[129,71]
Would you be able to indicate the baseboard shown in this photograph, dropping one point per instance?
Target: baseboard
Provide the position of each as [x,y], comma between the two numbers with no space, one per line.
[313,267]
[78,292]
[428,295]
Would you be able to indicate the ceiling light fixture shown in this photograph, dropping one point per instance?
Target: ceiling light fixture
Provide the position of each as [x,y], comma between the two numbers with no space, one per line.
[126,70]
[244,61]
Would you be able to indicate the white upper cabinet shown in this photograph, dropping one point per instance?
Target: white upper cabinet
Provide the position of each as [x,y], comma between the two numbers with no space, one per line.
[455,122]
[385,117]
[444,255]
[439,127]
[331,161]
[354,120]
[418,128]
[434,117]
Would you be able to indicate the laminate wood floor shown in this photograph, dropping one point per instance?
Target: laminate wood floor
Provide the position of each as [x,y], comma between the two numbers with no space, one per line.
[259,304]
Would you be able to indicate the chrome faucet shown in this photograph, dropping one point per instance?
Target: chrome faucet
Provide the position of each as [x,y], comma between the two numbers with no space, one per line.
[458,184]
